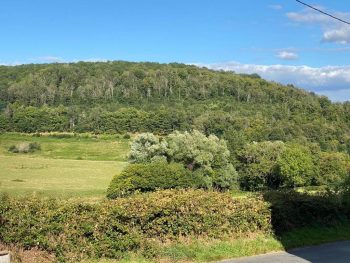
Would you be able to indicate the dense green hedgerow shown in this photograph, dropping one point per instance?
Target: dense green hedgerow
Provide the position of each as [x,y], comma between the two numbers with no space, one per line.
[112,228]
[108,229]
[151,176]
[291,210]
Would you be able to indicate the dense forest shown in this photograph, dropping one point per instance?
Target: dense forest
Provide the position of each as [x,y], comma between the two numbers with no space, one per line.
[119,97]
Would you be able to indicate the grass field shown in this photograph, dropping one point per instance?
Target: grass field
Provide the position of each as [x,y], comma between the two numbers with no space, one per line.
[65,167]
[99,148]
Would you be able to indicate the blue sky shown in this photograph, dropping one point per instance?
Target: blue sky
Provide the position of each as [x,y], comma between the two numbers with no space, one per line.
[280,40]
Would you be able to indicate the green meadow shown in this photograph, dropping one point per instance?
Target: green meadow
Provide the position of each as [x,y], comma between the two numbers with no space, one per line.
[66,166]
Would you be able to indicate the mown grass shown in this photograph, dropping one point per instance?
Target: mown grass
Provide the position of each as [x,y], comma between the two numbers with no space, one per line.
[79,166]
[22,175]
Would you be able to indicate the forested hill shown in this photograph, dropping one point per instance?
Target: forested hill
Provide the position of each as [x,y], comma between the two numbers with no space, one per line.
[137,97]
[86,83]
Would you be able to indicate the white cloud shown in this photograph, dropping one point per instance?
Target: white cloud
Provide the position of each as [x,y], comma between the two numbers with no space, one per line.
[276,7]
[51,59]
[341,35]
[333,30]
[309,16]
[94,60]
[48,59]
[287,55]
[333,81]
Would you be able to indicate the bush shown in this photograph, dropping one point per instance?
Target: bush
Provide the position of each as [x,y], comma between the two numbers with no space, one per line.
[168,214]
[126,136]
[291,210]
[146,148]
[205,156]
[296,167]
[69,230]
[152,176]
[258,165]
[108,229]
[25,147]
[111,228]
[334,169]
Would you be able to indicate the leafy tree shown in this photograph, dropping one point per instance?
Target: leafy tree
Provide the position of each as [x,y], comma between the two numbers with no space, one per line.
[207,155]
[296,167]
[258,165]
[147,148]
[334,168]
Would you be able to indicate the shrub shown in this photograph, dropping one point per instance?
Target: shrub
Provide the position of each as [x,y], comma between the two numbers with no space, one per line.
[69,230]
[111,228]
[25,147]
[291,210]
[296,167]
[207,156]
[126,136]
[146,147]
[168,214]
[152,176]
[334,168]
[258,165]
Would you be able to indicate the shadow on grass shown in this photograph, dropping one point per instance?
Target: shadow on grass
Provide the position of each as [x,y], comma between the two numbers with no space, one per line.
[300,219]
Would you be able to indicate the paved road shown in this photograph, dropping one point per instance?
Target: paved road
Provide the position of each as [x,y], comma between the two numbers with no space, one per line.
[338,252]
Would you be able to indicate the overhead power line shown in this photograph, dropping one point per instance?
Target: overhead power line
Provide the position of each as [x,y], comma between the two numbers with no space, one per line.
[323,12]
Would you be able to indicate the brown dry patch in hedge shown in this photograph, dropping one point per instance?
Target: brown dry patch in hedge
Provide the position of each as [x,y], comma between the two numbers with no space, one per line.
[34,255]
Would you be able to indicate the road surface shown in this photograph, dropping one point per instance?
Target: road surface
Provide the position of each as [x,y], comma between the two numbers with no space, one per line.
[338,252]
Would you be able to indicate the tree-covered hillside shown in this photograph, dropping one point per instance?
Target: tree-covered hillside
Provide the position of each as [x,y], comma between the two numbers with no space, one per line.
[160,98]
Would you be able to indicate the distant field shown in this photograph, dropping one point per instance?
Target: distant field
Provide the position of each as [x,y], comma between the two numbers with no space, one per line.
[103,148]
[65,167]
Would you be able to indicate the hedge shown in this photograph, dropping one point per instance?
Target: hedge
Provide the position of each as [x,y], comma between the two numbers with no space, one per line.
[291,210]
[73,231]
[110,228]
[151,176]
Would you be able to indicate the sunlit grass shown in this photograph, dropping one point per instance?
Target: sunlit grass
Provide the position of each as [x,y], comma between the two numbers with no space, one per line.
[101,148]
[21,175]
[65,167]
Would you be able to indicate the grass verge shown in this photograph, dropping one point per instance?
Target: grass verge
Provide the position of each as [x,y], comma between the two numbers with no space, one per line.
[198,251]
[208,251]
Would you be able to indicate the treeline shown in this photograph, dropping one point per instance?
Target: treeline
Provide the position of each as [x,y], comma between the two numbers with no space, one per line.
[238,123]
[119,97]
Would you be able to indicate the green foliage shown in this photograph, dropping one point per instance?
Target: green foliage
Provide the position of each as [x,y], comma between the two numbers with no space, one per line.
[151,176]
[73,231]
[69,230]
[149,97]
[25,147]
[292,210]
[258,164]
[126,136]
[123,97]
[147,147]
[334,168]
[296,167]
[110,229]
[207,157]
